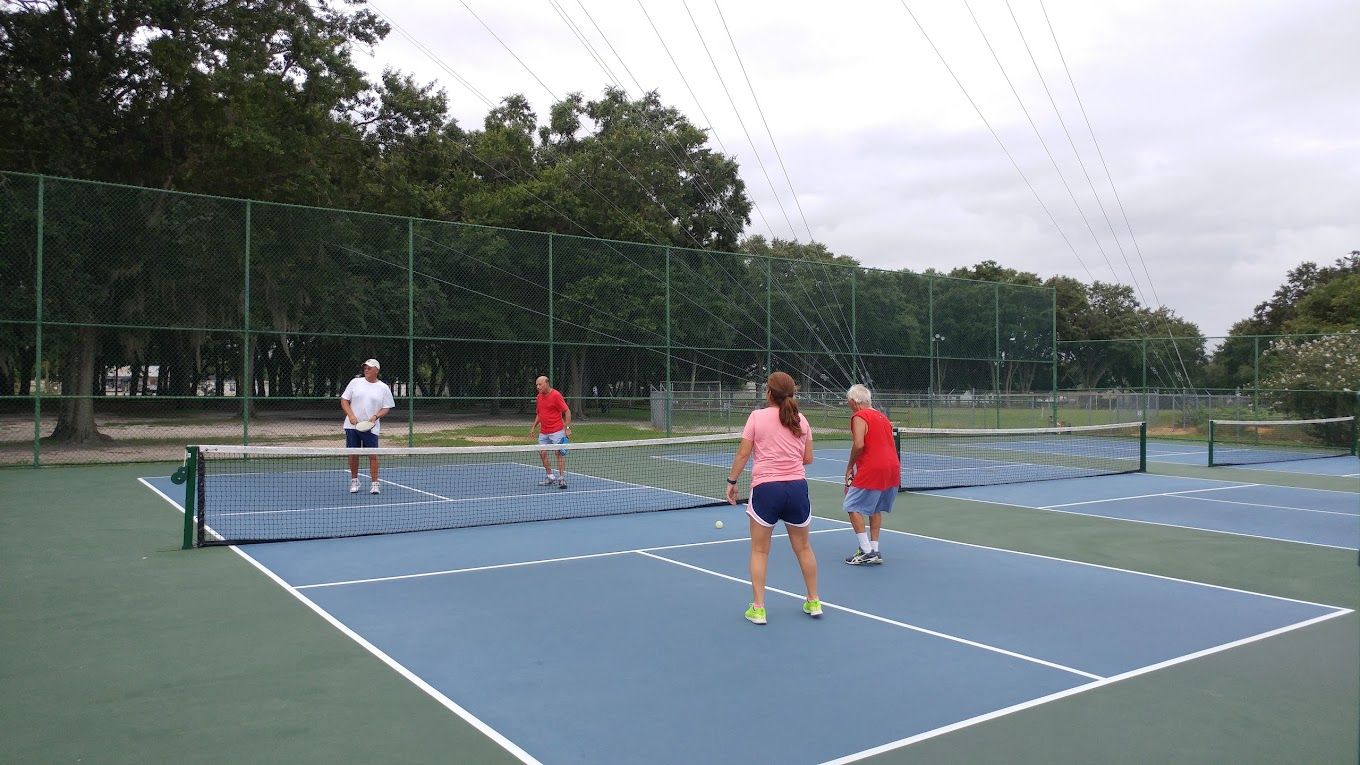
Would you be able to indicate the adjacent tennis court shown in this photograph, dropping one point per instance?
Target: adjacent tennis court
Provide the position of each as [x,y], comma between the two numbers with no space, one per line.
[1284,513]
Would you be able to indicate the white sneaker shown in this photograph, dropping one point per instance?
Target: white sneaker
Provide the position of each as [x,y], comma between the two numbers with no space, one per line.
[374,488]
[549,481]
[354,486]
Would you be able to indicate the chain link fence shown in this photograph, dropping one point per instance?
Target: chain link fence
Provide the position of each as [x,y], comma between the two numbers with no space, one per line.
[1179,384]
[140,320]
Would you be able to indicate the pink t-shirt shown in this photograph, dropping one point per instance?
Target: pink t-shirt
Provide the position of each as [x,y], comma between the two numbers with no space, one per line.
[778,453]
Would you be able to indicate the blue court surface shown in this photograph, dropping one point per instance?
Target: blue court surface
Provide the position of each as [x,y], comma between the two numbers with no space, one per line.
[1191,453]
[620,639]
[1307,516]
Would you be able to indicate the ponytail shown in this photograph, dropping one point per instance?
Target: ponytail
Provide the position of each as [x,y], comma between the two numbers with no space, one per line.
[780,388]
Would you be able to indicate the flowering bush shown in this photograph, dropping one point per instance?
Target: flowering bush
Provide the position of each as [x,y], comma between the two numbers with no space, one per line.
[1315,378]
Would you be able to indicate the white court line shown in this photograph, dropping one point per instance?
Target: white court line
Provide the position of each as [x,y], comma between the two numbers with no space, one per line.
[440,499]
[490,567]
[1262,504]
[382,656]
[1146,496]
[903,625]
[900,743]
[1139,520]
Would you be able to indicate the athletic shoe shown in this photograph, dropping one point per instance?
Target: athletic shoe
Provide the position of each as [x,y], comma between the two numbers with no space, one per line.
[549,481]
[755,615]
[354,486]
[812,608]
[874,558]
[374,488]
[859,558]
[562,484]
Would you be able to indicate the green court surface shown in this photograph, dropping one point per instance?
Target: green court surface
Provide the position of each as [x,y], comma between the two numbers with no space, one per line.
[117,646]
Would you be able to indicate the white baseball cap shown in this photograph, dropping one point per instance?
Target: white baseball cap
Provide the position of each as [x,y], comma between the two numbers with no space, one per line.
[373,363]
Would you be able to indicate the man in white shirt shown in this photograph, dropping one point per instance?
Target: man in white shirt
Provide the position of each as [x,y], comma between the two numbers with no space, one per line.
[366,399]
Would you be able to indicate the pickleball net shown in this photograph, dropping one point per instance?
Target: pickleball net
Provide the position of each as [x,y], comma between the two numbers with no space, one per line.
[948,458]
[1253,442]
[243,494]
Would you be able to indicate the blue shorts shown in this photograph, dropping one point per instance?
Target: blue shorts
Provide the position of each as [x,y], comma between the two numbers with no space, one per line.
[560,437]
[869,501]
[777,501]
[358,439]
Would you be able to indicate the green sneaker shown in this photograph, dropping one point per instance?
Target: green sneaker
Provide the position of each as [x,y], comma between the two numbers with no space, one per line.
[755,615]
[812,608]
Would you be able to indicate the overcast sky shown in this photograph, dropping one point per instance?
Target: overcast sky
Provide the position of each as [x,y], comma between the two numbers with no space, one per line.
[1231,128]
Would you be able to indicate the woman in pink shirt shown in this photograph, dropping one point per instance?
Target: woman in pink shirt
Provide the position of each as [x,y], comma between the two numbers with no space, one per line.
[781,440]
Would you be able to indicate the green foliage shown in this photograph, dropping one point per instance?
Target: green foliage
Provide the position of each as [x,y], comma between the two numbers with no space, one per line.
[1313,299]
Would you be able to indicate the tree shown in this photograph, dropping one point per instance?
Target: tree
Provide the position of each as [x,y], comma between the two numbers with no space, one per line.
[1313,299]
[223,97]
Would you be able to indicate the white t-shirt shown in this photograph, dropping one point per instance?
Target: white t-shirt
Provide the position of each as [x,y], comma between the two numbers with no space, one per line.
[366,398]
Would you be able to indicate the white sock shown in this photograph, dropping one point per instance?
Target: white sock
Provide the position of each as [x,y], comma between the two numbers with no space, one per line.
[874,544]
[863,538]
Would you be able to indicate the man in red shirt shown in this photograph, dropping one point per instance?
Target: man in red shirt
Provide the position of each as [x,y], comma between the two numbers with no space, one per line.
[552,424]
[872,474]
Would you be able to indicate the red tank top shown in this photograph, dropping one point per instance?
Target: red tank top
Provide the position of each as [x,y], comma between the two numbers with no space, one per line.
[878,466]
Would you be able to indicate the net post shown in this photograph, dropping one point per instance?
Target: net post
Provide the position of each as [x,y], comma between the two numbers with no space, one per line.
[1355,437]
[190,494]
[1211,443]
[1142,447]
[897,442]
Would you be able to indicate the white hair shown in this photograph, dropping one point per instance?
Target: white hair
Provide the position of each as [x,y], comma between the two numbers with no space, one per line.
[859,394]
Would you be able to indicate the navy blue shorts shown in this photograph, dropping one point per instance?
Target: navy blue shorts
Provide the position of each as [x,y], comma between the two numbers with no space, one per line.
[357,439]
[777,501]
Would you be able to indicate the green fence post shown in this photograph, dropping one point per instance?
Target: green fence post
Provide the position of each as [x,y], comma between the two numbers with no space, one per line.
[1146,395]
[930,323]
[769,342]
[1054,336]
[37,329]
[1255,376]
[670,385]
[247,373]
[550,373]
[190,469]
[996,349]
[410,332]
[854,328]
